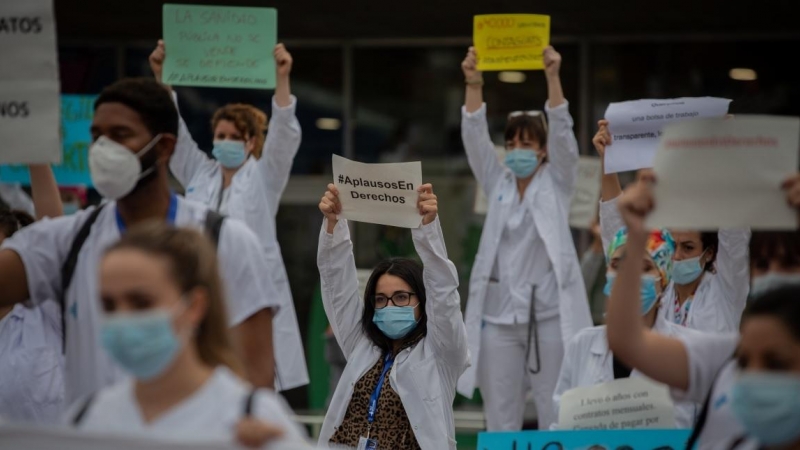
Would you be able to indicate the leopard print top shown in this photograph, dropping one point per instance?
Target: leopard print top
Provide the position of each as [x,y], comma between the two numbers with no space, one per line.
[391,428]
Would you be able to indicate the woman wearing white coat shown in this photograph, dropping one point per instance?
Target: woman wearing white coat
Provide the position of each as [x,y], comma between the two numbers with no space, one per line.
[588,361]
[526,264]
[246,182]
[405,341]
[710,272]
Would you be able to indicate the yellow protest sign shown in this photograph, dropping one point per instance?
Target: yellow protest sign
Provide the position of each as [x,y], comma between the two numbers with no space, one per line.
[511,41]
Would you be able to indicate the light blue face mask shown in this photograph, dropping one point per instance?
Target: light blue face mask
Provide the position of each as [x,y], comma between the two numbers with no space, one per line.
[647,290]
[522,162]
[231,154]
[395,321]
[71,208]
[144,344]
[772,281]
[687,270]
[768,406]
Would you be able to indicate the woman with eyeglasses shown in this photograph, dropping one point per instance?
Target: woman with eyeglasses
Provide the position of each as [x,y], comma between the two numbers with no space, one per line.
[526,295]
[405,341]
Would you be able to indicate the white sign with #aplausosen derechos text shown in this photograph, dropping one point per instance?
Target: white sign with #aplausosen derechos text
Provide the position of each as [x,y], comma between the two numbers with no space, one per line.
[719,173]
[637,125]
[384,194]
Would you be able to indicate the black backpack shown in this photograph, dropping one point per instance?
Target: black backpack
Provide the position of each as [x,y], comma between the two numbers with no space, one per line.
[212,227]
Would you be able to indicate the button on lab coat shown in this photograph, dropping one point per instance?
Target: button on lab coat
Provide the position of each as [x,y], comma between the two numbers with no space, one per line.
[588,362]
[549,206]
[255,193]
[425,375]
[720,298]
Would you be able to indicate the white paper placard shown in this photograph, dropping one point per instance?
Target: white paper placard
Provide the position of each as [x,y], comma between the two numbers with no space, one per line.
[29,88]
[624,404]
[28,40]
[384,194]
[583,207]
[635,127]
[726,173]
[30,121]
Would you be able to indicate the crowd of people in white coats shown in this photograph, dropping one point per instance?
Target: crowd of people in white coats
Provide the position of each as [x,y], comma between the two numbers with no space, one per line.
[160,315]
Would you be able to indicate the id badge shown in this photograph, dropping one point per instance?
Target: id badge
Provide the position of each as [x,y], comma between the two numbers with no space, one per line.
[367,444]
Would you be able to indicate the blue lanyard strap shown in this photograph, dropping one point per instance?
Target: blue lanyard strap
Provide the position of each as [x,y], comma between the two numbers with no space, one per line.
[373,400]
[172,212]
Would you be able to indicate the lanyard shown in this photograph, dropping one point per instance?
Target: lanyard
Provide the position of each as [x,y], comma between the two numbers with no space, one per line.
[171,213]
[373,400]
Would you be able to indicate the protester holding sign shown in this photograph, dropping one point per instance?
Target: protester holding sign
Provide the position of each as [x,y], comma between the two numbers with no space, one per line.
[588,360]
[526,296]
[710,272]
[245,181]
[750,383]
[405,341]
[135,128]
[164,323]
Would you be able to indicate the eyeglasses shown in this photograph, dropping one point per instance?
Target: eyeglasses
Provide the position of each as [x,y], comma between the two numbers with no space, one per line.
[531,113]
[397,299]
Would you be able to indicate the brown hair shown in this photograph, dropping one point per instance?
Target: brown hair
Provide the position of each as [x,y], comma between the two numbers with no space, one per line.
[13,220]
[532,125]
[193,263]
[248,120]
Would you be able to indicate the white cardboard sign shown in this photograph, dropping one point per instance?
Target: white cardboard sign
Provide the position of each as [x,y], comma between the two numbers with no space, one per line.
[624,404]
[636,126]
[726,173]
[384,194]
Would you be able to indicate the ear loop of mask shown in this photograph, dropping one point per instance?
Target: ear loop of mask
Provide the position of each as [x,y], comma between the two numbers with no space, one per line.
[144,151]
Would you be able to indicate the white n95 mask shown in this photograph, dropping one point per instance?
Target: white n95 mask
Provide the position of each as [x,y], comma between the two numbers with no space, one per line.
[115,170]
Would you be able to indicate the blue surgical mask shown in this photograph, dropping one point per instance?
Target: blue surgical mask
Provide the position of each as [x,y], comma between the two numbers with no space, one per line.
[768,406]
[395,321]
[71,208]
[772,281]
[231,154]
[647,290]
[144,344]
[686,271]
[522,162]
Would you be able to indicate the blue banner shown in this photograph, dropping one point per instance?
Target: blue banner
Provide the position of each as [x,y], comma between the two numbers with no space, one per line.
[585,440]
[77,112]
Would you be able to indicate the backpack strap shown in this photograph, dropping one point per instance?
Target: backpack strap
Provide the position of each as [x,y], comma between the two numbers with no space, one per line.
[68,269]
[213,226]
[248,403]
[82,412]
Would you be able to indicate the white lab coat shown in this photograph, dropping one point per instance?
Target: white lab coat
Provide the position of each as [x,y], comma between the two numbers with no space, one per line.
[720,298]
[425,375]
[549,205]
[16,197]
[588,362]
[255,193]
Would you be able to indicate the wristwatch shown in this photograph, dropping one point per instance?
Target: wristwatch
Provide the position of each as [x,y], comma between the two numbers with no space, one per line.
[477,81]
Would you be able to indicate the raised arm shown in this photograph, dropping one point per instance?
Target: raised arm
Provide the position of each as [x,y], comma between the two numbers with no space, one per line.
[664,359]
[610,219]
[446,330]
[337,273]
[284,135]
[733,271]
[562,147]
[478,144]
[188,159]
[44,190]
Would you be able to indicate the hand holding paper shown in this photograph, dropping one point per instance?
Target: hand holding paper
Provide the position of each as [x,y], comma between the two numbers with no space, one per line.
[330,206]
[157,60]
[427,204]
